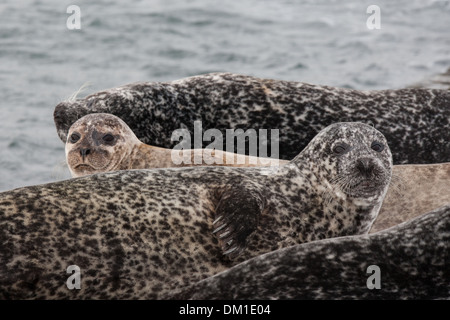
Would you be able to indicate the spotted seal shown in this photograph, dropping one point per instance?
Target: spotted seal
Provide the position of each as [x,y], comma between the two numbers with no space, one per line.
[142,233]
[416,188]
[412,260]
[416,121]
[102,142]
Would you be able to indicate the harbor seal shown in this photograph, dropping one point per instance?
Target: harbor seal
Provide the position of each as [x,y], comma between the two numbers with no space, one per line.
[412,261]
[415,121]
[142,233]
[415,190]
[102,142]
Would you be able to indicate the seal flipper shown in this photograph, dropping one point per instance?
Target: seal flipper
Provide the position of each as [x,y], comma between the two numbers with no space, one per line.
[237,215]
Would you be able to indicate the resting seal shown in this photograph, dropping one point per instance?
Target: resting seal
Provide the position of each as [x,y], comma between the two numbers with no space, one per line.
[413,260]
[416,189]
[102,142]
[415,121]
[137,233]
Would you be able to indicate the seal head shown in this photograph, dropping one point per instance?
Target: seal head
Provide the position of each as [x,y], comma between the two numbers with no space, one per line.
[98,143]
[352,160]
[170,222]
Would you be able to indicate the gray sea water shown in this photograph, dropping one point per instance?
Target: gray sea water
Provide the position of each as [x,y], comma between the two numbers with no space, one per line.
[42,62]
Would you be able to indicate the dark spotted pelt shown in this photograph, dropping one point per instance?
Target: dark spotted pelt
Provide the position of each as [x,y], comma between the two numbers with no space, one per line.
[416,122]
[413,260]
[142,233]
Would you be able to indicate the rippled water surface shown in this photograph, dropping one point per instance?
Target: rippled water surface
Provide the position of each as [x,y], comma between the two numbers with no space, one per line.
[322,42]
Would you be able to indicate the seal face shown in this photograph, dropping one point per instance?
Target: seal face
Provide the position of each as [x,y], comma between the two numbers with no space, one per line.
[99,143]
[354,159]
[138,232]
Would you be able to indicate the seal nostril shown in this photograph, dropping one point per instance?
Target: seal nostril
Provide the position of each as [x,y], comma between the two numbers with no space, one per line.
[365,166]
[84,152]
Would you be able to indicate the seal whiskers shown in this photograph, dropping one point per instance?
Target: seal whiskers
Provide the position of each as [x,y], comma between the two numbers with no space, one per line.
[338,184]
[397,184]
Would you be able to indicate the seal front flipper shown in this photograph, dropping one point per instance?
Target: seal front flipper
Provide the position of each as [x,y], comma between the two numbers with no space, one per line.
[237,215]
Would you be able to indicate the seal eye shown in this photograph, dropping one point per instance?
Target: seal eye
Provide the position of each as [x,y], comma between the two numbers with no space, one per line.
[74,137]
[108,138]
[377,146]
[341,148]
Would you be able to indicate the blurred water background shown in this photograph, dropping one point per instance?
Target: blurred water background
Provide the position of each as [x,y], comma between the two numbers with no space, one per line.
[42,62]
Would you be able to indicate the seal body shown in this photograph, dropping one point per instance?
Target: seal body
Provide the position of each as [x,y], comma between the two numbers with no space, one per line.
[102,142]
[142,233]
[411,261]
[415,190]
[415,121]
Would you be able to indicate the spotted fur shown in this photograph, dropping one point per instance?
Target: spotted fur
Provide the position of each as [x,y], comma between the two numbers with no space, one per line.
[416,189]
[416,122]
[413,260]
[142,233]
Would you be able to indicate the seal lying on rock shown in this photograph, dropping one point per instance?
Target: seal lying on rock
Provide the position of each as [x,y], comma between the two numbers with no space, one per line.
[410,260]
[142,233]
[415,121]
[102,142]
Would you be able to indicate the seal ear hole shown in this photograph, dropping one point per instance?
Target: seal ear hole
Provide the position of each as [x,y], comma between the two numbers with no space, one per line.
[341,148]
[74,137]
[377,146]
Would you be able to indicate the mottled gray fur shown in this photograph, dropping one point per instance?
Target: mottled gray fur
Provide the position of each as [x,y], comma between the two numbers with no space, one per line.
[416,122]
[413,260]
[141,233]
